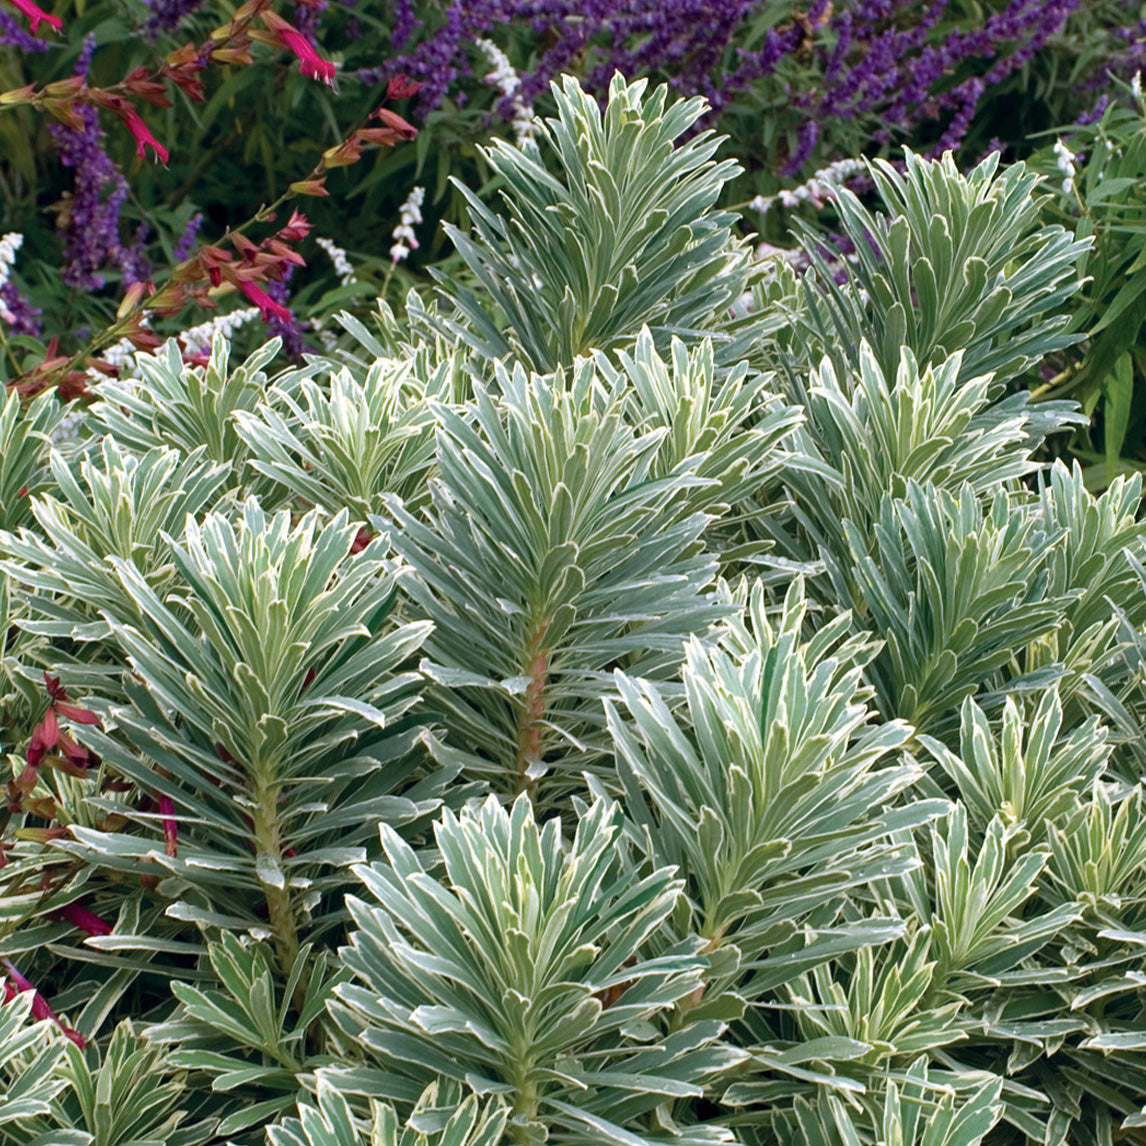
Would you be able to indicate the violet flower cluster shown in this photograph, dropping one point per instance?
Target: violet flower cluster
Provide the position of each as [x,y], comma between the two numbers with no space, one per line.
[132,260]
[186,243]
[89,221]
[895,61]
[167,15]
[90,224]
[1009,38]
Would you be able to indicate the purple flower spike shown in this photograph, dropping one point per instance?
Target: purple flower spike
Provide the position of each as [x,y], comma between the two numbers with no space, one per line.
[133,260]
[186,243]
[306,18]
[91,227]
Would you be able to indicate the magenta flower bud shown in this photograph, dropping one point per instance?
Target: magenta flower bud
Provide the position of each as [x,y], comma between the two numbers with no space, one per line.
[36,15]
[40,1008]
[77,914]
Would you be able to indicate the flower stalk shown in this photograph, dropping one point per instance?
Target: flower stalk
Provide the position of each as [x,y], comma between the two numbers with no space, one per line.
[212,270]
[15,984]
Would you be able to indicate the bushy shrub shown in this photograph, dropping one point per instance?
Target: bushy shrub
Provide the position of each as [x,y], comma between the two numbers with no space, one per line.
[704,717]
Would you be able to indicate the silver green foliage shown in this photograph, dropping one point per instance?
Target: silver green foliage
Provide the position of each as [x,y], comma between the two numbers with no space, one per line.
[709,754]
[441,1117]
[123,1095]
[541,485]
[623,234]
[522,975]
[953,262]
[25,438]
[173,404]
[29,1062]
[267,665]
[110,504]
[342,443]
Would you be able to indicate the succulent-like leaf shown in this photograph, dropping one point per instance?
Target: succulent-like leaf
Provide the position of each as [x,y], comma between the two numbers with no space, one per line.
[624,235]
[245,1035]
[1099,854]
[177,405]
[955,592]
[29,1062]
[523,973]
[779,799]
[1030,776]
[957,262]
[1102,537]
[441,1117]
[726,427]
[344,444]
[912,1112]
[550,553]
[975,917]
[271,713]
[25,438]
[118,505]
[868,434]
[124,1095]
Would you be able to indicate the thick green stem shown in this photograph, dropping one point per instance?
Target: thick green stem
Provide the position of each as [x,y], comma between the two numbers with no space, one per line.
[526,1102]
[530,725]
[692,1000]
[268,844]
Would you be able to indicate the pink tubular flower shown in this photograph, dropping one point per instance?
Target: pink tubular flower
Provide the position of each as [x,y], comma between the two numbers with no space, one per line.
[36,14]
[266,304]
[310,63]
[143,137]
[40,1008]
[79,916]
[124,109]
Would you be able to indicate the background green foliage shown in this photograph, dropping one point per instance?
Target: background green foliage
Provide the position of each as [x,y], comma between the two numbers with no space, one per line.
[264,126]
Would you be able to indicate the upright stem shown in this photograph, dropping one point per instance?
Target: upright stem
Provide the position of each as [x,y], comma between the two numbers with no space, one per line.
[530,727]
[268,842]
[691,1001]
[526,1102]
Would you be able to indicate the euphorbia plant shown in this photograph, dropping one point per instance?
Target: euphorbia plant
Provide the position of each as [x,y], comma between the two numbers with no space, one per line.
[647,751]
[269,662]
